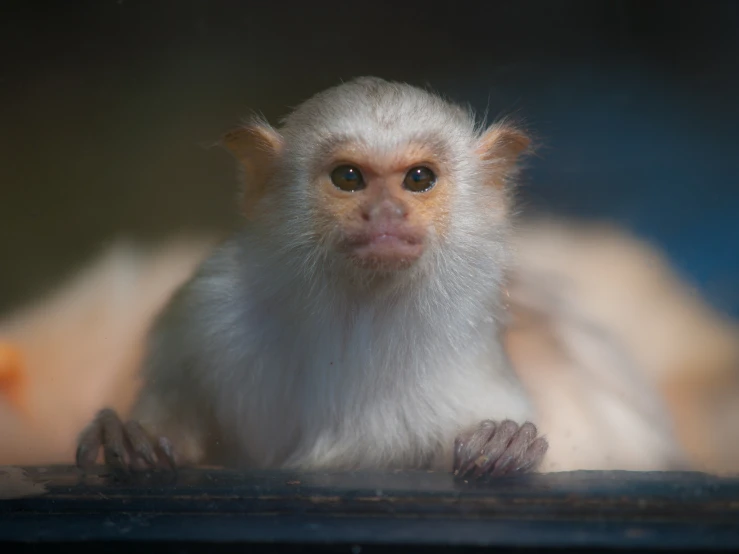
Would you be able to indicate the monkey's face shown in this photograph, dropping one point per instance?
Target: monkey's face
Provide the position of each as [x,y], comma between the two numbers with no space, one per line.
[373,177]
[380,210]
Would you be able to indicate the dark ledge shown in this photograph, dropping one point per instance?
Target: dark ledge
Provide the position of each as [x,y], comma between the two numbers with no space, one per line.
[203,509]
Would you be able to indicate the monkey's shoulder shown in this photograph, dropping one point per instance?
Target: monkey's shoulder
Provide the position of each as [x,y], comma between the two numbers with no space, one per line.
[211,302]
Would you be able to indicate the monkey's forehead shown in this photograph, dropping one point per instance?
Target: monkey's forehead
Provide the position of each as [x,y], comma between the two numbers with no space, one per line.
[380,134]
[377,112]
[381,144]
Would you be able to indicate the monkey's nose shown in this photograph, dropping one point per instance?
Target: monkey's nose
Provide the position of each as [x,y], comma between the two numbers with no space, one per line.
[386,209]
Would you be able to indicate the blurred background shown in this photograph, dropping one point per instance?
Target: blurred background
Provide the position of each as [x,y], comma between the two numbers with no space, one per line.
[108,109]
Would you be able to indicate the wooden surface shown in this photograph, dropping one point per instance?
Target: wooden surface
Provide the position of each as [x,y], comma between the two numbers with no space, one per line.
[639,511]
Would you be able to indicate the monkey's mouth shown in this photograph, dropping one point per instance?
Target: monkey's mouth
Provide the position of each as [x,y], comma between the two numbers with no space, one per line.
[384,250]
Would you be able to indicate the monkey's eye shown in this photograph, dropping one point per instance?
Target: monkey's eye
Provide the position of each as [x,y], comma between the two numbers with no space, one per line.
[419,179]
[348,178]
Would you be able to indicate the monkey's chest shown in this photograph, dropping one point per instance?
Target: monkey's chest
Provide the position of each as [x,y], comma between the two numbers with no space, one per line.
[374,435]
[401,425]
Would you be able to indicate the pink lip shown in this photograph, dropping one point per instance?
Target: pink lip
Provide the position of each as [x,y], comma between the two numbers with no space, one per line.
[388,243]
[379,238]
[382,247]
[383,238]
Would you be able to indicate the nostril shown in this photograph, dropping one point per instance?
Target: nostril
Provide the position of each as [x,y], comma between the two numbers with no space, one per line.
[397,210]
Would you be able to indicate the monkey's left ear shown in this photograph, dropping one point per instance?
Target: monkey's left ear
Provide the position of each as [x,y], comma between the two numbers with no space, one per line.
[256,147]
[501,147]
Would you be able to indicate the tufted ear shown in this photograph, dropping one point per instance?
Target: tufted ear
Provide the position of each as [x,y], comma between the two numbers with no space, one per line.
[256,147]
[501,147]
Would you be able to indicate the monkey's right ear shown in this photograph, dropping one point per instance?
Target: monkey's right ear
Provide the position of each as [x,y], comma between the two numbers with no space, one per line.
[256,147]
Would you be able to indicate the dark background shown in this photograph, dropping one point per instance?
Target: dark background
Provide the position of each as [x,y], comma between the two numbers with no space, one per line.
[108,107]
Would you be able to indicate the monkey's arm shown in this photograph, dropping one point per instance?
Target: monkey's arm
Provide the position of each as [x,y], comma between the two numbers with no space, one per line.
[169,422]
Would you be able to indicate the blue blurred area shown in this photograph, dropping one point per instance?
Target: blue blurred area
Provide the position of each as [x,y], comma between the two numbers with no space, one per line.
[629,146]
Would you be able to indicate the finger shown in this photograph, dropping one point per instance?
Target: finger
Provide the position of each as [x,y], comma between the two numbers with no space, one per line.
[165,447]
[138,464]
[516,450]
[114,442]
[534,455]
[140,442]
[495,447]
[469,446]
[88,445]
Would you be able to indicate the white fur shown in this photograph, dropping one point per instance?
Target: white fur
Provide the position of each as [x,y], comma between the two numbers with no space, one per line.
[280,354]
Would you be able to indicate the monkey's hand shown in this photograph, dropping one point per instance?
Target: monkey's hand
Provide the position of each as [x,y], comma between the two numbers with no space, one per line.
[495,449]
[126,446]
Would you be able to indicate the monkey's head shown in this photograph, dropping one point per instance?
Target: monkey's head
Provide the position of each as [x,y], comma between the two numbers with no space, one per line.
[376,177]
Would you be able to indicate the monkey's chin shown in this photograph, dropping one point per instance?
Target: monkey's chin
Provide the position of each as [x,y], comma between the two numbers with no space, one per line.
[386,253]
